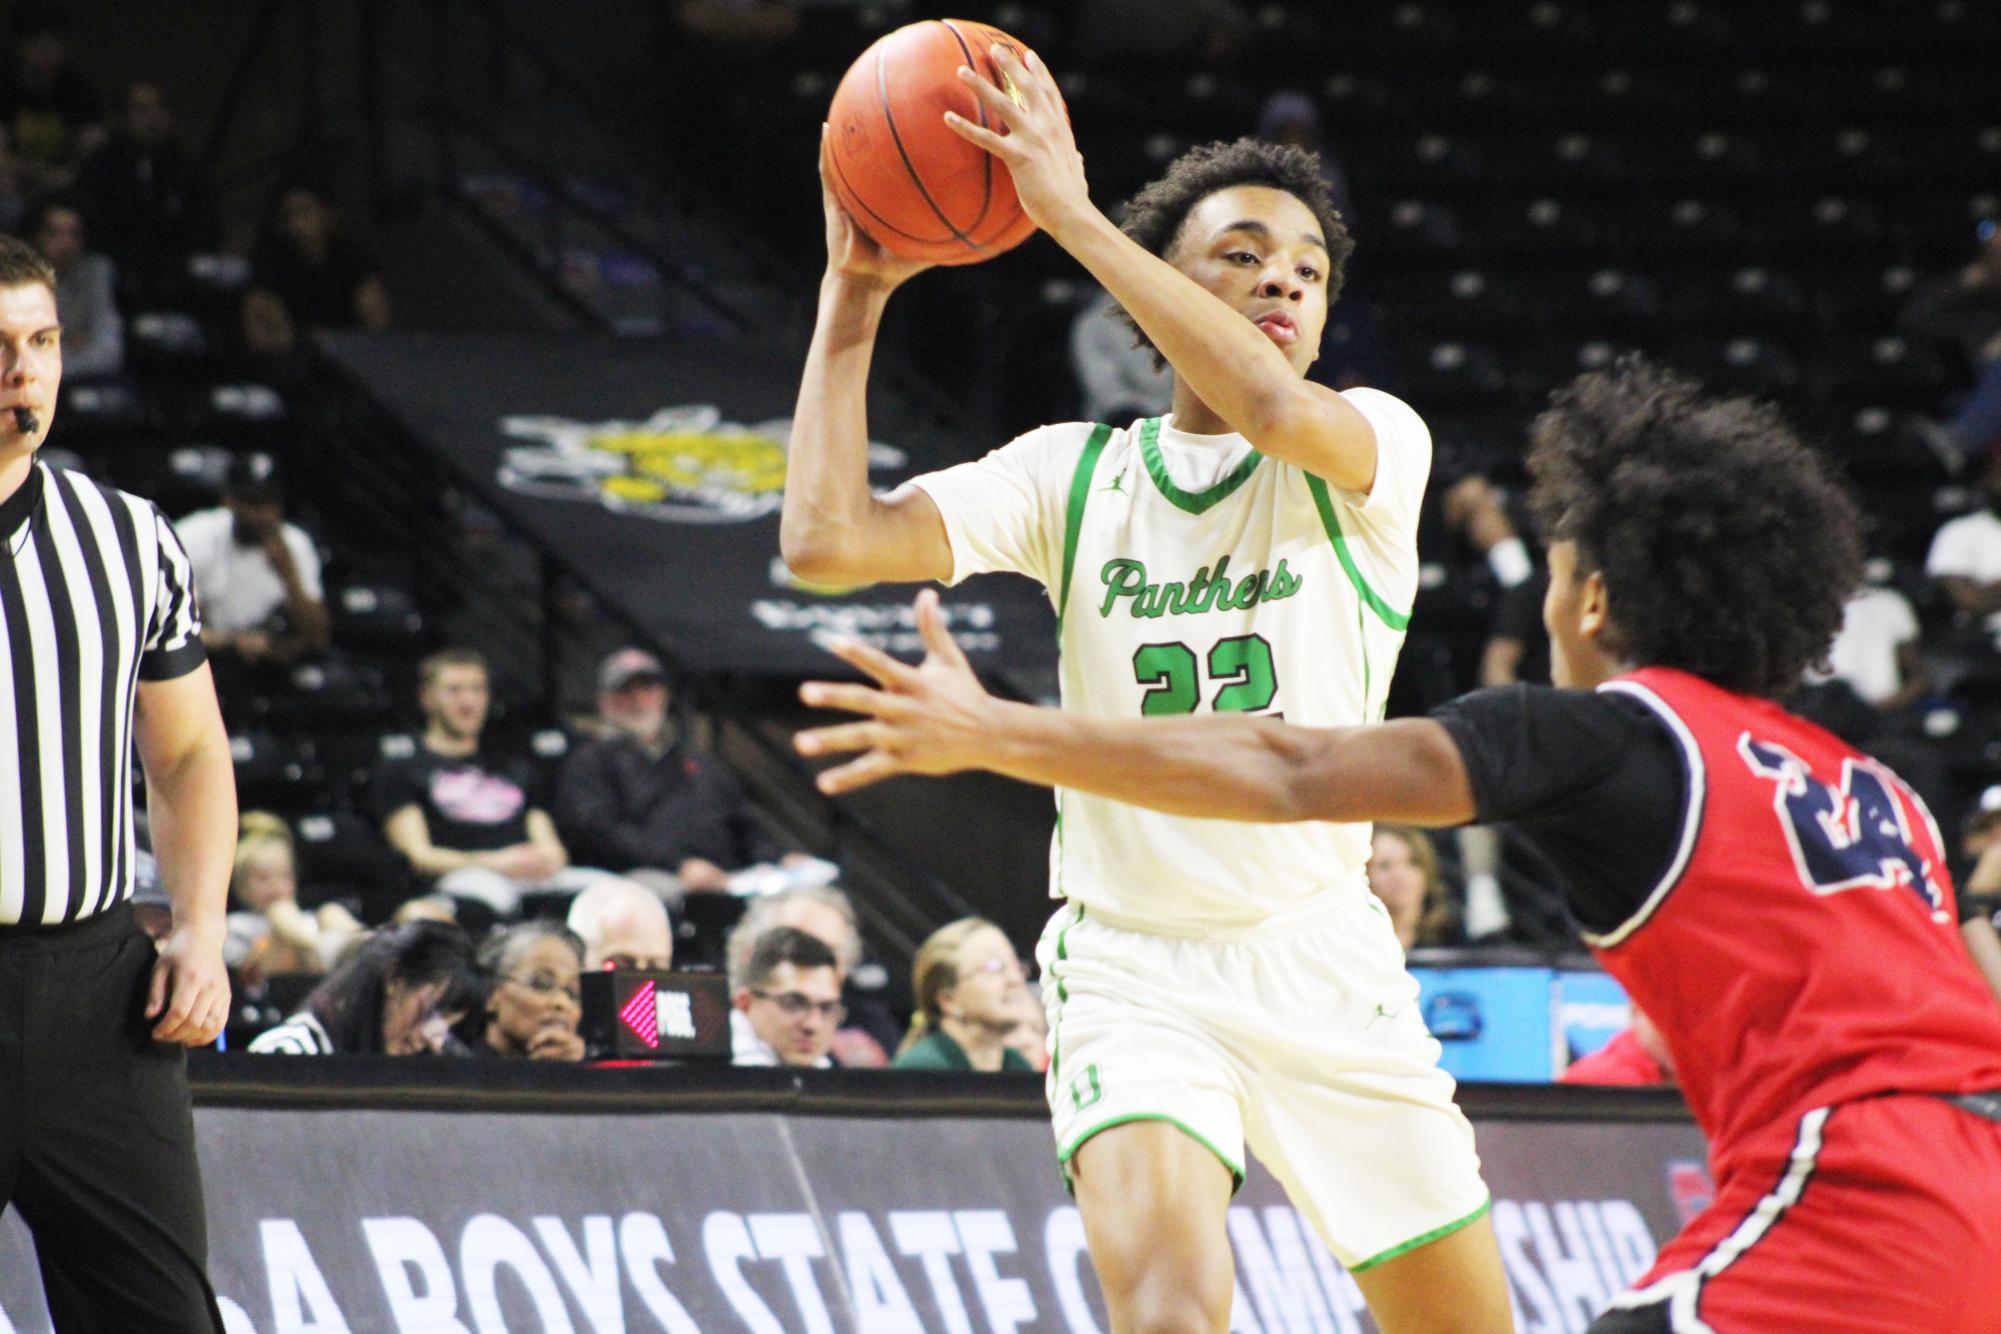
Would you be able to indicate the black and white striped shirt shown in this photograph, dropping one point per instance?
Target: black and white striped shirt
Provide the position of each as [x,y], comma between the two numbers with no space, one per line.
[301,1035]
[96,595]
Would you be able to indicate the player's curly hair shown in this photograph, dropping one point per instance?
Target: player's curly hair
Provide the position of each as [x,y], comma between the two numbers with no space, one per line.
[1727,548]
[1154,216]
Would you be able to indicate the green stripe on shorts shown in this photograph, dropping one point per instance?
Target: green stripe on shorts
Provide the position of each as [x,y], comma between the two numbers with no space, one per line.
[1434,1235]
[1236,1170]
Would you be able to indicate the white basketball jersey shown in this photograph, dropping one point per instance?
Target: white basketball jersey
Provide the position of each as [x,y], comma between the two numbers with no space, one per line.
[1191,574]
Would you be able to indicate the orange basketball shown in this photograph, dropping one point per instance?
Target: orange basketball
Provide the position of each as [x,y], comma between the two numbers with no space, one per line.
[916,188]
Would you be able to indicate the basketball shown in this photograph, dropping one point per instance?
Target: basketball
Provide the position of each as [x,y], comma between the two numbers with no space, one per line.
[916,188]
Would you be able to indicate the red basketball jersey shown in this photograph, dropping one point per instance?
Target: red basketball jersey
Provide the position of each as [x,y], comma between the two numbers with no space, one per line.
[1801,949]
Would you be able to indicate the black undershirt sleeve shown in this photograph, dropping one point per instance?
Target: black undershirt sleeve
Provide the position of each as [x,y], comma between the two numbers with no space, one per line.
[1593,779]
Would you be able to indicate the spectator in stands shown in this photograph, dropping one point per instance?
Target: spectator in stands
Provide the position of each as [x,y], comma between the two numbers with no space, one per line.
[1516,649]
[1480,512]
[465,816]
[398,994]
[824,911]
[622,925]
[1121,378]
[51,111]
[1965,556]
[533,998]
[638,800]
[1961,314]
[1403,875]
[788,1001]
[86,283]
[1477,510]
[308,274]
[821,910]
[268,931]
[146,198]
[1876,674]
[1876,653]
[970,986]
[258,576]
[1635,1055]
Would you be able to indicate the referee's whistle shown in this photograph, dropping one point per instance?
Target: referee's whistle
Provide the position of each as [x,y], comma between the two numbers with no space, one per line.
[24,421]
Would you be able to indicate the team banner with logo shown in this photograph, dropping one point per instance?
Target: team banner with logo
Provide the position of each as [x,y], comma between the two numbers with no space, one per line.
[347,1219]
[656,471]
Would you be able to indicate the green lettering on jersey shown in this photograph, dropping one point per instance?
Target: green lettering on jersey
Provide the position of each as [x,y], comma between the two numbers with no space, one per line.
[1209,590]
[1204,587]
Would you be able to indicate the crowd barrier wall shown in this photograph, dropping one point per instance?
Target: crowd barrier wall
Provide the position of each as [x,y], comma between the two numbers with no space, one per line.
[452,1197]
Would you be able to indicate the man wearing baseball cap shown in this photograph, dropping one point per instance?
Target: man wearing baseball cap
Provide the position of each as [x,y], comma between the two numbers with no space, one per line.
[639,799]
[258,576]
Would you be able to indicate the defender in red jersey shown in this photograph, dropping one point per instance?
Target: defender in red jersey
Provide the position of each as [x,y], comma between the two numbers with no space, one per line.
[1776,901]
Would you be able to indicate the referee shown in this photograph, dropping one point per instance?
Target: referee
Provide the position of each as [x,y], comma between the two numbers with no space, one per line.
[100,649]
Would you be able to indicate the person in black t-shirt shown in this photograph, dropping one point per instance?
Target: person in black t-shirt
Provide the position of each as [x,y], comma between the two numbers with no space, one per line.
[307,274]
[469,817]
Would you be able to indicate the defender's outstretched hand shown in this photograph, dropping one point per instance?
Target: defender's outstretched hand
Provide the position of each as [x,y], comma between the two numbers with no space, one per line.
[851,252]
[1039,147]
[929,719]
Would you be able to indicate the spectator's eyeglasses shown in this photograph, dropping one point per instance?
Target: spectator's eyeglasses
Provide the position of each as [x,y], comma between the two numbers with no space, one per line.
[542,984]
[797,1006]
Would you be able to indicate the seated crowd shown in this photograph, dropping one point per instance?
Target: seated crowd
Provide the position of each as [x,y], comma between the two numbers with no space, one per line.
[515,874]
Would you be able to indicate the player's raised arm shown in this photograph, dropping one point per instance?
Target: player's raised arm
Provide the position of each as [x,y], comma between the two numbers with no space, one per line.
[834,529]
[934,718]
[1250,374]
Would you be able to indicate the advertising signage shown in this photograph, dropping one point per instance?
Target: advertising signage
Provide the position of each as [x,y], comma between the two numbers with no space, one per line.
[451,1221]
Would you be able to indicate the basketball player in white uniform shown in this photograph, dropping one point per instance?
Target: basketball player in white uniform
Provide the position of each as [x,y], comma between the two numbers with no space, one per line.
[1211,985]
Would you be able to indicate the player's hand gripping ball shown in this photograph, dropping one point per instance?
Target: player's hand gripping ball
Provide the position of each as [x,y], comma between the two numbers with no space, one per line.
[918,189]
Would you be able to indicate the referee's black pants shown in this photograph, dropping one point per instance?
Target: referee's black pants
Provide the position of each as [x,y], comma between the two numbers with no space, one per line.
[97,1142]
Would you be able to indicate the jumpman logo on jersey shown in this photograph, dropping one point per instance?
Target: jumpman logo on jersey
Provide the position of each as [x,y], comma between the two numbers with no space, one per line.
[1118,484]
[1382,1013]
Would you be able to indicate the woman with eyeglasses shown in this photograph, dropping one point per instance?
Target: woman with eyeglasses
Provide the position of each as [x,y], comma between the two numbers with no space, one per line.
[534,996]
[398,994]
[970,990]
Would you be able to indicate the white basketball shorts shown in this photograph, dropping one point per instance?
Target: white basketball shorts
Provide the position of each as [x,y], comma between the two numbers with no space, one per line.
[1300,1037]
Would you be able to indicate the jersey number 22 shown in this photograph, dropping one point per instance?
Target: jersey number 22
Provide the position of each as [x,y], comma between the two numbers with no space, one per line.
[1241,666]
